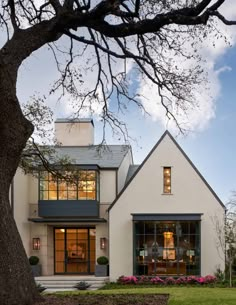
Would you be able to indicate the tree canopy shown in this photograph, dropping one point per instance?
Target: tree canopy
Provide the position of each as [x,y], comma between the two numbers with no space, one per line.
[102,40]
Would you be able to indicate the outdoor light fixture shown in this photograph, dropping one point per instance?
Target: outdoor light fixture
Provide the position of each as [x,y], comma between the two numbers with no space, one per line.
[36,243]
[103,242]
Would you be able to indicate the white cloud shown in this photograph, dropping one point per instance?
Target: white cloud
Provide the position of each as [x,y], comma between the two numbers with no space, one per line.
[223,69]
[206,95]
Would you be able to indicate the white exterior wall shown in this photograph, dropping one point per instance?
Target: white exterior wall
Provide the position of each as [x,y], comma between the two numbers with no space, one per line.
[74,134]
[107,195]
[123,170]
[33,190]
[33,196]
[21,208]
[145,195]
[107,186]
[41,231]
[26,205]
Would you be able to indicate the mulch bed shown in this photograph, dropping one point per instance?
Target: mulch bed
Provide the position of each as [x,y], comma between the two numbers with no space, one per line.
[106,299]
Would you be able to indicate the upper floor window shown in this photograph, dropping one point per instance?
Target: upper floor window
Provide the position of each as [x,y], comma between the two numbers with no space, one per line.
[83,186]
[167,180]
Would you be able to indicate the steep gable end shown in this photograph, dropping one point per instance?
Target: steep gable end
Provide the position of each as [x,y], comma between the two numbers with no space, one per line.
[168,153]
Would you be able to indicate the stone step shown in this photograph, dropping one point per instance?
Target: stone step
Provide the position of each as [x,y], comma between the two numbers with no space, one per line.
[68,285]
[61,283]
[71,278]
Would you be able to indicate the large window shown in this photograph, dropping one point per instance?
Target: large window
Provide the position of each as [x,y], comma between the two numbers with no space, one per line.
[167,248]
[83,186]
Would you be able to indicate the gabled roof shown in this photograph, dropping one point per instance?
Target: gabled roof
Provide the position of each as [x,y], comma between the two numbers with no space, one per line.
[71,121]
[105,156]
[131,172]
[166,133]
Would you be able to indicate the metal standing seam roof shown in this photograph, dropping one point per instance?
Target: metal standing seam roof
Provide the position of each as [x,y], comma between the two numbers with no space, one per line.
[105,156]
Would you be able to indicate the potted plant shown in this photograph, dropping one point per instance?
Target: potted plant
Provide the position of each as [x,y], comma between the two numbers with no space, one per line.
[35,266]
[82,285]
[102,267]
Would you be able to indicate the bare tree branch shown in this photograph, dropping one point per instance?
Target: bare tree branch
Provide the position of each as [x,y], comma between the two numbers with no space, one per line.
[223,19]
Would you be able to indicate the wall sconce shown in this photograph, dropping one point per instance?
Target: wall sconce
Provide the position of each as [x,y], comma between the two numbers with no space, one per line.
[36,243]
[103,242]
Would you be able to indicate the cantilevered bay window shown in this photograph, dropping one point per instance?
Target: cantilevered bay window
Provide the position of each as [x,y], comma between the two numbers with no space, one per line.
[82,186]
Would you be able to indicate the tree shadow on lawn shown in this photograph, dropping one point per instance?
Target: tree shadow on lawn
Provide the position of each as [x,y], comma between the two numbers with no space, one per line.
[106,299]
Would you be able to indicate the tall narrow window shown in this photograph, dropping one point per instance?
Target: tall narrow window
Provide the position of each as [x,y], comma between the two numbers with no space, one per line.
[167,180]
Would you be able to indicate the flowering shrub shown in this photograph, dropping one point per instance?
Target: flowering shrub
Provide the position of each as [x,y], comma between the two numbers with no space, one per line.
[192,279]
[128,280]
[183,280]
[210,279]
[170,281]
[157,280]
[143,280]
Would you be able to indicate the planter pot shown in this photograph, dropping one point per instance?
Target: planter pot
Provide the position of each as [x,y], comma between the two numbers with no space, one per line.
[101,270]
[37,270]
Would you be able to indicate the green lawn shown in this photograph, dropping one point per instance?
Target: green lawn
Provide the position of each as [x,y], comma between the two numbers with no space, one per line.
[200,296]
[185,295]
[188,295]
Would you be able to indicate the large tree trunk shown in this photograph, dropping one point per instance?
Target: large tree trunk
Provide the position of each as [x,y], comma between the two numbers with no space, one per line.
[17,285]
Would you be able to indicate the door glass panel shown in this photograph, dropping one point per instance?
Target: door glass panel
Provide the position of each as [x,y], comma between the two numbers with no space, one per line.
[92,249]
[59,250]
[75,250]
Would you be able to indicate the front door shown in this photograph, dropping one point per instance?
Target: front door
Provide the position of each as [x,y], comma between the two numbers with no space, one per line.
[74,250]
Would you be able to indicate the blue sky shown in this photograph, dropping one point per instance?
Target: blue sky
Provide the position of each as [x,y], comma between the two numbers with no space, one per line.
[212,149]
[211,145]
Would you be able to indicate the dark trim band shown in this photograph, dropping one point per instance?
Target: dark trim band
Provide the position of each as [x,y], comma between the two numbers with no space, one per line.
[70,220]
[156,217]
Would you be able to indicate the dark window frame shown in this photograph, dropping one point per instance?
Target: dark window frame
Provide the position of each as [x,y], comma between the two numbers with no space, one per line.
[44,186]
[192,265]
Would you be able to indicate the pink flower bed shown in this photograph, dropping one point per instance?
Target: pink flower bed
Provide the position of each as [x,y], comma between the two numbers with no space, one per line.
[183,280]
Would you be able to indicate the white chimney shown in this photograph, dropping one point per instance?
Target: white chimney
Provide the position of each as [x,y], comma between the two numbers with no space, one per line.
[76,132]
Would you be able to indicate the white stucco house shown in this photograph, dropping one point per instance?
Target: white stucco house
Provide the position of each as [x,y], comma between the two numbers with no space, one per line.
[150,219]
